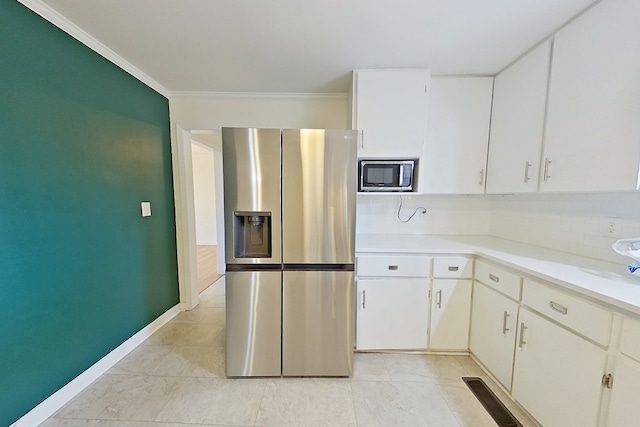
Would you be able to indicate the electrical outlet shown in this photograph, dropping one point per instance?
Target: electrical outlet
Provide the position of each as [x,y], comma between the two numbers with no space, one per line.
[611,226]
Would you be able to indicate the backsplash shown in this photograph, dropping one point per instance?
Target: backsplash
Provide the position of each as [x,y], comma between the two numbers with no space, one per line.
[445,214]
[582,224]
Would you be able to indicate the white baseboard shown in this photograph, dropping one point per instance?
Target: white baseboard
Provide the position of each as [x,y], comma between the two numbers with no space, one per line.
[57,400]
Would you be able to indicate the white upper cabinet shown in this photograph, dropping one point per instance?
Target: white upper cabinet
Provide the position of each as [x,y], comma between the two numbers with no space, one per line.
[389,107]
[455,155]
[592,140]
[517,124]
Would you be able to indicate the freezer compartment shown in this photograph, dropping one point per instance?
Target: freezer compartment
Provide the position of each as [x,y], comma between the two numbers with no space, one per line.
[253,323]
[318,316]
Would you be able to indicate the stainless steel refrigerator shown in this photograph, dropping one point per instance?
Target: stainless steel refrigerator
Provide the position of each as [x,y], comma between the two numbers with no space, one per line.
[290,198]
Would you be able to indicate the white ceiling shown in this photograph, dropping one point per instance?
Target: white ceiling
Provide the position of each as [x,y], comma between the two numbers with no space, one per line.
[310,46]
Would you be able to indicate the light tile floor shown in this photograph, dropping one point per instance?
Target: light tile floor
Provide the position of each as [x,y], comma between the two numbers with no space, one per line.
[177,378]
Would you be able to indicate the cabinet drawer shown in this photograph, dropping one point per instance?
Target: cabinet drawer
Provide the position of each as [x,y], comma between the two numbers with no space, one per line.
[583,317]
[455,267]
[499,279]
[394,265]
[630,341]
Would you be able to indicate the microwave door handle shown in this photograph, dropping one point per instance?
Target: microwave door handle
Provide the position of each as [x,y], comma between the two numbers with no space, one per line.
[401,177]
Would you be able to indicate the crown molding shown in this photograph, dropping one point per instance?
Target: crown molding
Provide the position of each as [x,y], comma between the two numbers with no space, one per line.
[54,17]
[259,95]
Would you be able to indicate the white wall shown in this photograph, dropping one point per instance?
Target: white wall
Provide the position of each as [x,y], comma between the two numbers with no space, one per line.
[575,223]
[202,112]
[204,194]
[292,111]
[445,214]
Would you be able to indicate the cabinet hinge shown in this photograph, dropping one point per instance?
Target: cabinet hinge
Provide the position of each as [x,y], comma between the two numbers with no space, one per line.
[607,380]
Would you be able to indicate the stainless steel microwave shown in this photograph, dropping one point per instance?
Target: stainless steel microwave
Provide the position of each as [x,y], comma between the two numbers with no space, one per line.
[386,175]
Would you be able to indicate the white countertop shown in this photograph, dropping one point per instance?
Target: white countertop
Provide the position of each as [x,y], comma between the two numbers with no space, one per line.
[606,282]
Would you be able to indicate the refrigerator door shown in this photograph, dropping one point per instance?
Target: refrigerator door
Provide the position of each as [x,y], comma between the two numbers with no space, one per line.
[253,323]
[252,214]
[318,323]
[319,175]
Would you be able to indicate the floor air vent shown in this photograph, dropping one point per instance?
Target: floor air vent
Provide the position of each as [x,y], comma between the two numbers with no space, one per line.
[491,403]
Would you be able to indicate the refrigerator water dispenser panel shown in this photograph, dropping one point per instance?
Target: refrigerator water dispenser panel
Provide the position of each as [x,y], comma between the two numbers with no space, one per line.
[252,234]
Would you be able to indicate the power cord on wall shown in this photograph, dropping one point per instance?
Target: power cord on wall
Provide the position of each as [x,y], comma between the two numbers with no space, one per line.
[422,210]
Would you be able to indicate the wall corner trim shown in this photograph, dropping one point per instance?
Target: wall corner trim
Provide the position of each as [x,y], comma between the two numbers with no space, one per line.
[57,400]
[60,21]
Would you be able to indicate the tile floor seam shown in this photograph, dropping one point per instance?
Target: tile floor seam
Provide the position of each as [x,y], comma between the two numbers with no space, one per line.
[155,419]
[406,375]
[353,403]
[451,409]
[264,390]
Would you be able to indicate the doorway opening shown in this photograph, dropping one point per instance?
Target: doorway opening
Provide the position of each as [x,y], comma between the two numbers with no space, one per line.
[204,200]
[183,178]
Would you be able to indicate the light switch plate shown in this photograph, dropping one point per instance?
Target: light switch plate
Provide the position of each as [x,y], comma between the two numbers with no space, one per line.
[146,208]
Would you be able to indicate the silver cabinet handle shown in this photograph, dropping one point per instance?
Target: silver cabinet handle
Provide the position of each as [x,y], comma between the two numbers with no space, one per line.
[523,328]
[547,162]
[494,278]
[393,267]
[363,298]
[559,308]
[361,139]
[481,182]
[527,165]
[504,323]
[453,268]
[439,299]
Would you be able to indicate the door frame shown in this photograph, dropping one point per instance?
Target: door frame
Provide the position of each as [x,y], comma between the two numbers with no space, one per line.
[182,171]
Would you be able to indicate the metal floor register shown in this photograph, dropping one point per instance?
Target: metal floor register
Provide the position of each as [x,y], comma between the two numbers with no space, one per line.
[491,403]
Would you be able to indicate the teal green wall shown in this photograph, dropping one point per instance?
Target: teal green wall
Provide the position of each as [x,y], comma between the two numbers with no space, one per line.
[82,143]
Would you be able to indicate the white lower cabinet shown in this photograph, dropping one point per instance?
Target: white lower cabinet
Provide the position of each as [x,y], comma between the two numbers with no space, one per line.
[493,331]
[450,304]
[392,313]
[624,410]
[557,374]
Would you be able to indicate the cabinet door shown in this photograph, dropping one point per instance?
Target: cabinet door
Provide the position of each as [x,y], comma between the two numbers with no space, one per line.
[392,314]
[493,331]
[390,108]
[592,128]
[456,151]
[624,410]
[450,314]
[557,375]
[517,123]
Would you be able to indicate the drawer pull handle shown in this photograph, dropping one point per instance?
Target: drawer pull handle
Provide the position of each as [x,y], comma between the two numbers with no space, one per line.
[494,278]
[559,308]
[504,323]
[439,299]
[522,342]
[393,267]
[527,165]
[453,268]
